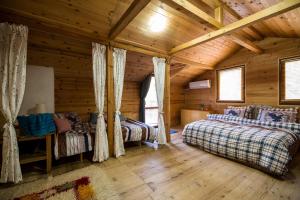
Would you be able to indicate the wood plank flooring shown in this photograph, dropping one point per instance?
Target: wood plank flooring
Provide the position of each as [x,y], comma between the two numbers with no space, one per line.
[179,171]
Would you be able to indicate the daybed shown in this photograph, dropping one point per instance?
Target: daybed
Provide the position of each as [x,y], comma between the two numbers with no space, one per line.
[80,137]
[76,140]
[133,131]
[269,146]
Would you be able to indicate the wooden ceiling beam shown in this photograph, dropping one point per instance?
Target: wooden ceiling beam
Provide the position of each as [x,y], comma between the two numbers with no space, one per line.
[272,11]
[239,39]
[198,12]
[191,63]
[45,24]
[217,23]
[134,9]
[249,29]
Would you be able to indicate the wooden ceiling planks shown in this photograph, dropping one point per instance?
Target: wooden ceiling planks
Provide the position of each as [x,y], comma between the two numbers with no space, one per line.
[264,14]
[70,26]
[94,16]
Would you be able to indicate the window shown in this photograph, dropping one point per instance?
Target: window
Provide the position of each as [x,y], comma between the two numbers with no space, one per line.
[151,108]
[231,84]
[289,70]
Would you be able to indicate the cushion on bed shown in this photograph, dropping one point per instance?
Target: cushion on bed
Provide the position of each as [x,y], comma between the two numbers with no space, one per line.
[277,116]
[238,112]
[288,115]
[248,110]
[93,118]
[63,125]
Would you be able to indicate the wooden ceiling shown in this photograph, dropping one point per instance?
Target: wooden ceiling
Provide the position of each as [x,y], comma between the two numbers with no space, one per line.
[71,25]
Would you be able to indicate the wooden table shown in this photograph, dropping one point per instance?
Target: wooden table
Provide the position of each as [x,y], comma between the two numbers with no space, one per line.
[30,158]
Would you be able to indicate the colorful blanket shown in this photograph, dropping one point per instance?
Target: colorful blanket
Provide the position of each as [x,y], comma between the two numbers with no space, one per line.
[267,146]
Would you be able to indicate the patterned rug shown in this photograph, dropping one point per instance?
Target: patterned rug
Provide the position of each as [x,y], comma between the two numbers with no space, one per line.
[89,183]
[80,189]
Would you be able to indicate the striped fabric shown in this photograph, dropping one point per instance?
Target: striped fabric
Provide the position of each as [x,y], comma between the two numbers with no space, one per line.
[133,131]
[71,143]
[138,131]
[268,146]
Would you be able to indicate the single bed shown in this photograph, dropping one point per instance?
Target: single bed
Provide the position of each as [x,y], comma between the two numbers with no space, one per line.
[81,138]
[268,146]
[133,131]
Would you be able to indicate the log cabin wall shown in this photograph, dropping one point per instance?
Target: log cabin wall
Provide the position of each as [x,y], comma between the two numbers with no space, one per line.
[74,89]
[177,103]
[262,72]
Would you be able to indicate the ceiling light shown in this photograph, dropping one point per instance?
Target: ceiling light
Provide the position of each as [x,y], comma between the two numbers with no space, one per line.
[157,23]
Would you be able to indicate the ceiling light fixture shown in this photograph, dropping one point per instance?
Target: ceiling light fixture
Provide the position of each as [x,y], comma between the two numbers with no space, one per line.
[157,23]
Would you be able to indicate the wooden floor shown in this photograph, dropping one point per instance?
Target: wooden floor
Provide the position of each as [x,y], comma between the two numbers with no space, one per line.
[179,171]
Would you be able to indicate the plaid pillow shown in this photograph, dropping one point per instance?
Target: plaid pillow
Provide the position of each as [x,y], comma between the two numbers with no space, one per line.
[278,114]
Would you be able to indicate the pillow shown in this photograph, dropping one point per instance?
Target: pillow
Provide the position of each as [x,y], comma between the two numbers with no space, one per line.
[63,125]
[248,110]
[93,118]
[122,118]
[288,115]
[277,116]
[237,112]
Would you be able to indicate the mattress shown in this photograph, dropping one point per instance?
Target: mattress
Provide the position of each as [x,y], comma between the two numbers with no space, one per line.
[267,146]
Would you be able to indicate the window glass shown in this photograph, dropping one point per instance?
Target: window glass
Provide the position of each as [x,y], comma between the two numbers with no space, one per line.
[292,80]
[230,83]
[151,108]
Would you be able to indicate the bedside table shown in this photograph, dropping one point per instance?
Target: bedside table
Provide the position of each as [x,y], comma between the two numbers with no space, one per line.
[29,158]
[190,115]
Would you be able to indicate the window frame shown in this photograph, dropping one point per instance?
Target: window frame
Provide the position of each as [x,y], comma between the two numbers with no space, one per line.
[243,67]
[281,82]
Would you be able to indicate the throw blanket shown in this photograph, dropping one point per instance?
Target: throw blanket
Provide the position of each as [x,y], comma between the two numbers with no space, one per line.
[137,131]
[71,143]
[37,125]
[266,146]
[133,131]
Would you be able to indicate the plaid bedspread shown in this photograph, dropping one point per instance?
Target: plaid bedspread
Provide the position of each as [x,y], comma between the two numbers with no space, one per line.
[266,146]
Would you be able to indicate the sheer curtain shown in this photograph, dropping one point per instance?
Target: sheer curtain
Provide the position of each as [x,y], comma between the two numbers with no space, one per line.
[99,74]
[159,73]
[13,55]
[119,56]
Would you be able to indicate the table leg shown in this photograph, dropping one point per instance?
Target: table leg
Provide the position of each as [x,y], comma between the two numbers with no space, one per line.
[48,153]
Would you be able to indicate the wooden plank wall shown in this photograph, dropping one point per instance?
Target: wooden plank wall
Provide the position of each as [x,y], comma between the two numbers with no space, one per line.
[261,75]
[177,103]
[74,84]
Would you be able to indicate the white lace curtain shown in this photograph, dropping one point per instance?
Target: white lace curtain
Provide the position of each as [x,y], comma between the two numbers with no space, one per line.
[13,55]
[99,74]
[159,73]
[119,56]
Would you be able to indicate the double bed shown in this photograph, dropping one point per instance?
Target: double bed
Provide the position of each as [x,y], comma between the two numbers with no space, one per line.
[268,146]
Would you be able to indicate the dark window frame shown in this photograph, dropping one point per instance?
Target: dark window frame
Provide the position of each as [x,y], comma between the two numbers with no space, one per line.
[243,91]
[281,82]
